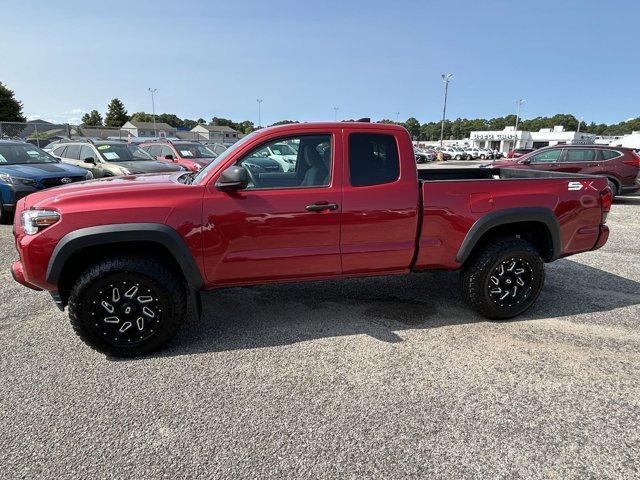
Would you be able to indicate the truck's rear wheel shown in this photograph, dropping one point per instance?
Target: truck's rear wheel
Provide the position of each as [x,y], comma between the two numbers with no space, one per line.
[127,306]
[503,279]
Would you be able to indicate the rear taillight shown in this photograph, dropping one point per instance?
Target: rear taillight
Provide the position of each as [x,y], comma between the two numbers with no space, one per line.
[606,200]
[634,161]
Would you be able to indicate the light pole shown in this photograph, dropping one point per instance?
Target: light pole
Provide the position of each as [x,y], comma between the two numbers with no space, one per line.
[153,110]
[579,123]
[397,117]
[259,100]
[519,103]
[335,114]
[446,78]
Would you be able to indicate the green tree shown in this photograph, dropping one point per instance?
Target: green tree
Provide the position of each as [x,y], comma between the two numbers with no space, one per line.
[413,126]
[142,117]
[92,119]
[10,108]
[116,114]
[282,122]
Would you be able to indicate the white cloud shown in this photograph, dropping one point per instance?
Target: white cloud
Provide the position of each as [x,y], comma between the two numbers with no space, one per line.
[73,116]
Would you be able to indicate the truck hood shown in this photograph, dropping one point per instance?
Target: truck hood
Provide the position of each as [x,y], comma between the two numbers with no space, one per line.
[105,186]
[148,166]
[42,170]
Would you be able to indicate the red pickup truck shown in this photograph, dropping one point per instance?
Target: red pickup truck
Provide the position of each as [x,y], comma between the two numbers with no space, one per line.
[128,255]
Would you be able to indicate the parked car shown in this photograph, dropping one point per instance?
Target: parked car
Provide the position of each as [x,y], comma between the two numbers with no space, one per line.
[621,166]
[518,152]
[424,156]
[191,155]
[111,158]
[455,153]
[127,275]
[485,153]
[216,147]
[282,153]
[472,152]
[25,169]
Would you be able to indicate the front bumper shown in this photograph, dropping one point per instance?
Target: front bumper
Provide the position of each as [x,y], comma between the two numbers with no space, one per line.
[17,272]
[14,193]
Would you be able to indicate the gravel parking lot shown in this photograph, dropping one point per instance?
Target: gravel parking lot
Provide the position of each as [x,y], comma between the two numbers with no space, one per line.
[383,378]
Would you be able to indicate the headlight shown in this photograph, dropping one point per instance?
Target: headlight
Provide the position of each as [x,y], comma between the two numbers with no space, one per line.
[33,221]
[88,176]
[6,178]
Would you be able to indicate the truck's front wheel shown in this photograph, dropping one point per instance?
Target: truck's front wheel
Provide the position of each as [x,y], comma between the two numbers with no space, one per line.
[503,279]
[127,306]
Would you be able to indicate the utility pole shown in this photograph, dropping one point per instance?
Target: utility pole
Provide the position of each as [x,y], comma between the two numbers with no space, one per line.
[335,114]
[153,110]
[579,123]
[259,100]
[446,78]
[397,117]
[519,103]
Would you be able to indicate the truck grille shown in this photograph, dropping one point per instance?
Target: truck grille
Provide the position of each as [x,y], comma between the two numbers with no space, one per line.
[54,182]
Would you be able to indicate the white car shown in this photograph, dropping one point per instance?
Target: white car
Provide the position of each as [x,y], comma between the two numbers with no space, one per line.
[281,153]
[456,152]
[485,153]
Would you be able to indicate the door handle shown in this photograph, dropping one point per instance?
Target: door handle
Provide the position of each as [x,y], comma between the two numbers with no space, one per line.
[321,206]
[593,165]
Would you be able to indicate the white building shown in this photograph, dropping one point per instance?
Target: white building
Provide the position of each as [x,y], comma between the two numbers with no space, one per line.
[632,141]
[507,139]
[148,129]
[216,133]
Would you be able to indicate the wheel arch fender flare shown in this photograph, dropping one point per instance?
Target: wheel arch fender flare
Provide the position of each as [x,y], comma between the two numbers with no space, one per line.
[125,232]
[508,216]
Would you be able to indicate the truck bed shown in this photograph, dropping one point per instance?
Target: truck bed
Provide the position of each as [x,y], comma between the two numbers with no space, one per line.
[455,200]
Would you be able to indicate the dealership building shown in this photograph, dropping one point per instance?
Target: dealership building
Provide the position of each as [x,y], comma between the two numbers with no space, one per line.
[509,138]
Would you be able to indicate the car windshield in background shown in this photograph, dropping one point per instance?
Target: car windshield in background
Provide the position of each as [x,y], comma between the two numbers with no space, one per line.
[194,150]
[22,154]
[220,158]
[122,152]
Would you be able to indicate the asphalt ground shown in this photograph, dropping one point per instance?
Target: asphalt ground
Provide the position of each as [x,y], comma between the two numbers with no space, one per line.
[370,378]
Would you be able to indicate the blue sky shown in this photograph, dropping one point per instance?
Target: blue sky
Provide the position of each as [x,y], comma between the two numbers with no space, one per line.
[368,58]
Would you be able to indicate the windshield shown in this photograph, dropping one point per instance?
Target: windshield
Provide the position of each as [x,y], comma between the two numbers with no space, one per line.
[122,152]
[220,158]
[282,149]
[194,150]
[21,154]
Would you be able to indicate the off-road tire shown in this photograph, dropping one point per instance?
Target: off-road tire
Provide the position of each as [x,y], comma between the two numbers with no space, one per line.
[163,285]
[476,277]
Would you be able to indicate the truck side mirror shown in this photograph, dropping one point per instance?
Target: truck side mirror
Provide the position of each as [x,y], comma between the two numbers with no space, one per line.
[233,178]
[169,157]
[90,160]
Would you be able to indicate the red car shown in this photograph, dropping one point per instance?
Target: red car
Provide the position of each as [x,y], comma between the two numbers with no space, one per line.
[191,155]
[353,204]
[620,165]
[519,152]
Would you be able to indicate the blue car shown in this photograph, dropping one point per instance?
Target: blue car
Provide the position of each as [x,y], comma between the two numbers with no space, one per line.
[25,169]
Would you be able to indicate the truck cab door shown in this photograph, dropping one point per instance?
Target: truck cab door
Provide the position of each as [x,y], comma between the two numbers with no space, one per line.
[283,225]
[380,202]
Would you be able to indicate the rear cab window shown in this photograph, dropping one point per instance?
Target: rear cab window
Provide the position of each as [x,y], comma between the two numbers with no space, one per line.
[373,159]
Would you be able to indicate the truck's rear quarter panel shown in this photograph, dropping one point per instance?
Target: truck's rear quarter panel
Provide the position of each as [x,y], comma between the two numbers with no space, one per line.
[452,207]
